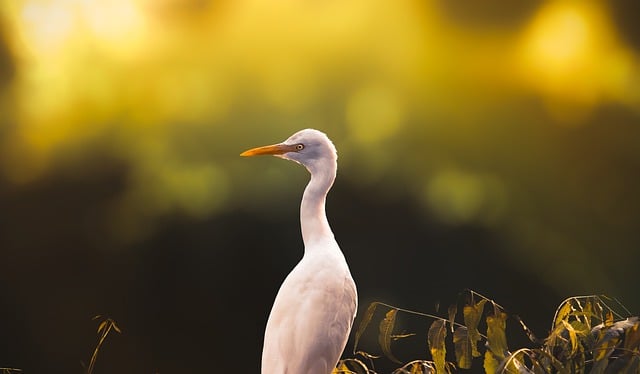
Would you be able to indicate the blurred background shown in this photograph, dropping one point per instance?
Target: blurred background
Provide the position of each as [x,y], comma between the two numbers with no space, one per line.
[489,145]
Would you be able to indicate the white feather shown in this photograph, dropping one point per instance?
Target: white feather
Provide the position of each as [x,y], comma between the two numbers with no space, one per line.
[313,312]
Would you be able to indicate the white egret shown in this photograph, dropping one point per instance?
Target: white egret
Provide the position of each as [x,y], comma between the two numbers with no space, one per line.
[313,312]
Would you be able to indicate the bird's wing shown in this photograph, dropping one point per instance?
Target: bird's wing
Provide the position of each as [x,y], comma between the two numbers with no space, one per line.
[310,322]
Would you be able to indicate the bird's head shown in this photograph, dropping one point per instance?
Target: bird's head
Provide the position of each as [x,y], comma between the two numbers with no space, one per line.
[310,148]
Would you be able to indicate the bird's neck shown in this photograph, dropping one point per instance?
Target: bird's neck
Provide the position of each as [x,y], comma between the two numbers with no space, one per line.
[313,218]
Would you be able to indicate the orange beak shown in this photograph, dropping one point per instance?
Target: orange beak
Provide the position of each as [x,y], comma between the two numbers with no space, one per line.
[276,149]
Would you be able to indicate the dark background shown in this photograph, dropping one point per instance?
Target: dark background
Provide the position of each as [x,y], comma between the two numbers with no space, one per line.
[474,152]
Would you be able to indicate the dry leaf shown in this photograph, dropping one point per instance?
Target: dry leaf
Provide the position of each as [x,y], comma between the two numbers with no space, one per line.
[496,338]
[386,330]
[462,346]
[573,338]
[436,339]
[562,313]
[490,363]
[472,314]
[366,318]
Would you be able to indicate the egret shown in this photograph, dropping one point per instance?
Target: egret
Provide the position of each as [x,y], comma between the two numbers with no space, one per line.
[314,310]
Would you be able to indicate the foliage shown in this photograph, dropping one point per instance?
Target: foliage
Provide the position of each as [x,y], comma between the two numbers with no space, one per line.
[589,334]
[104,328]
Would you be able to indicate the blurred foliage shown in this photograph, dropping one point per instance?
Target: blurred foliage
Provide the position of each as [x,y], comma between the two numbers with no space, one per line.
[593,334]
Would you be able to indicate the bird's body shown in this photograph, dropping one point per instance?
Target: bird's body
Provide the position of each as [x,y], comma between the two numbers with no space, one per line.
[313,312]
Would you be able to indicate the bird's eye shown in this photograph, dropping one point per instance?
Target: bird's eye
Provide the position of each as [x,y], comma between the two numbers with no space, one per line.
[299,147]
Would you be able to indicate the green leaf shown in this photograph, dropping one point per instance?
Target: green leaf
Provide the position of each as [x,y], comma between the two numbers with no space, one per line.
[472,314]
[462,346]
[496,338]
[366,318]
[386,330]
[436,339]
[581,329]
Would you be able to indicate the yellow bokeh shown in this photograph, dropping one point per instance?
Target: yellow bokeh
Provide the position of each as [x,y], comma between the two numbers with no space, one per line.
[137,78]
[374,113]
[571,54]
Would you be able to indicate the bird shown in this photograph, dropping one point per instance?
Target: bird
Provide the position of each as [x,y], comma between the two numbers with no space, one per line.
[314,310]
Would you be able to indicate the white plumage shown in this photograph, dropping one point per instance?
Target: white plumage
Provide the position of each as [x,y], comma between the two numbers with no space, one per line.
[313,312]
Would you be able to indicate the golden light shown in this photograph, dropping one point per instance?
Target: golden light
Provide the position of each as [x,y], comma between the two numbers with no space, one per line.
[560,38]
[110,20]
[47,25]
[571,54]
[67,89]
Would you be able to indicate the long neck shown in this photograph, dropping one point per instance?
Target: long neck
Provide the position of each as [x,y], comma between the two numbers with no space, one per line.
[313,218]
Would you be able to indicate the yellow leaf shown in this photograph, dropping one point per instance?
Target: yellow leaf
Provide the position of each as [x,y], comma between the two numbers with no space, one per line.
[366,318]
[367,355]
[554,337]
[597,309]
[386,329]
[401,336]
[562,313]
[496,338]
[341,368]
[588,314]
[472,314]
[115,327]
[572,337]
[632,338]
[516,365]
[101,326]
[436,339]
[608,339]
[490,363]
[462,346]
[609,319]
[416,368]
[581,329]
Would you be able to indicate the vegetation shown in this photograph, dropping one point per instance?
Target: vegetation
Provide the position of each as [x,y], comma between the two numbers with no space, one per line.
[589,334]
[104,328]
